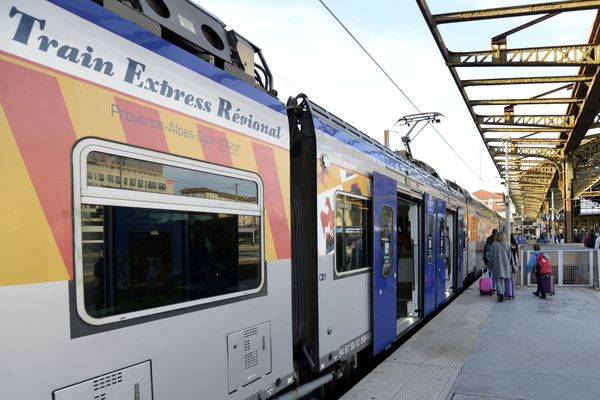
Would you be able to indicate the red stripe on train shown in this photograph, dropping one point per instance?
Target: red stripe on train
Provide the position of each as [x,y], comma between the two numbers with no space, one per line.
[215,145]
[267,168]
[42,128]
[142,125]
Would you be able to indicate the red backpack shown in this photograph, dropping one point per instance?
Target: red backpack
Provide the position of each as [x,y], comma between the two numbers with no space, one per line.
[544,265]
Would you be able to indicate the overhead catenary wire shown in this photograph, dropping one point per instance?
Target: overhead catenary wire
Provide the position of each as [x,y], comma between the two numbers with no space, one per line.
[396,85]
[369,55]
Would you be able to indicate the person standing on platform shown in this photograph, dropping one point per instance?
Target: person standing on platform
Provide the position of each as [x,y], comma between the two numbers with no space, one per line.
[514,250]
[486,253]
[533,265]
[500,263]
[597,242]
[542,239]
[488,245]
[590,240]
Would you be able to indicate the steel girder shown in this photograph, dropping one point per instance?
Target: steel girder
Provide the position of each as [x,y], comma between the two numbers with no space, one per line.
[526,80]
[534,180]
[515,11]
[587,158]
[582,109]
[528,141]
[543,152]
[588,149]
[531,188]
[587,176]
[544,121]
[587,114]
[594,193]
[502,102]
[519,165]
[583,54]
[524,130]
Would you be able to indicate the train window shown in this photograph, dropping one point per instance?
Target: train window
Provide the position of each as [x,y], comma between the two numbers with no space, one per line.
[137,258]
[140,253]
[443,238]
[385,245]
[167,178]
[352,234]
[430,239]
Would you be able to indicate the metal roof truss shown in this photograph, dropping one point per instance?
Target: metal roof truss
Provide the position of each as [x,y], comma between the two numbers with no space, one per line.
[535,163]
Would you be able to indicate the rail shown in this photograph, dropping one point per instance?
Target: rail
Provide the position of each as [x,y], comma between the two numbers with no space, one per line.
[572,266]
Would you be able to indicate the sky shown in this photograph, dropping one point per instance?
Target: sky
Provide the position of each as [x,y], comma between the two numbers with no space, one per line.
[309,52]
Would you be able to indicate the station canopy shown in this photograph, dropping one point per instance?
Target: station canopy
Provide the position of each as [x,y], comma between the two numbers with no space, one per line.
[532,87]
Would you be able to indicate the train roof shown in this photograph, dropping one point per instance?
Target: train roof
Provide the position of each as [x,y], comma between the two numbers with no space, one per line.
[394,160]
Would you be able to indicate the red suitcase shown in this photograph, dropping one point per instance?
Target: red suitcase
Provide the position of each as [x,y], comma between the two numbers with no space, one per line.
[485,286]
[509,288]
[548,283]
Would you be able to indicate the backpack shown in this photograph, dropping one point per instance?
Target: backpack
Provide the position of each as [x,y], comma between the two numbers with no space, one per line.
[590,241]
[544,266]
[486,252]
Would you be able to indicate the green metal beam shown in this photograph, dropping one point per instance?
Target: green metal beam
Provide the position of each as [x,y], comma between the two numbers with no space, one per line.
[582,54]
[515,11]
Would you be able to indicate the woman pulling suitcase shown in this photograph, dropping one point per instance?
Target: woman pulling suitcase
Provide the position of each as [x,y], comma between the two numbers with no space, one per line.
[500,264]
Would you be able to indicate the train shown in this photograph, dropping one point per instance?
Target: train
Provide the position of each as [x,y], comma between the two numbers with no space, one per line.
[172,230]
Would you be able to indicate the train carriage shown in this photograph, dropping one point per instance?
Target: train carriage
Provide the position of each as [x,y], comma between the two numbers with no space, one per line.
[145,217]
[172,230]
[389,238]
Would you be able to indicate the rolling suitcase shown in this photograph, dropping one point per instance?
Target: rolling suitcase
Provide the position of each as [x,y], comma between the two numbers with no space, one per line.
[509,288]
[548,283]
[485,286]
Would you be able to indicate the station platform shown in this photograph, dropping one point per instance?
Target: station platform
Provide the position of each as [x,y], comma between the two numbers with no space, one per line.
[480,349]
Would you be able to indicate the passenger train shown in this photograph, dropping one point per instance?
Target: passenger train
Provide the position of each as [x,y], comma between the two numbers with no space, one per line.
[172,230]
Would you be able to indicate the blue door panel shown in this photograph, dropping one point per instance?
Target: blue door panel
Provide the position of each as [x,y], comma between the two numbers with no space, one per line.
[429,257]
[440,252]
[459,248]
[384,261]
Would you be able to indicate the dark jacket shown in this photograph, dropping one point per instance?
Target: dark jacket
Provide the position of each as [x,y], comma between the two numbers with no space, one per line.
[486,249]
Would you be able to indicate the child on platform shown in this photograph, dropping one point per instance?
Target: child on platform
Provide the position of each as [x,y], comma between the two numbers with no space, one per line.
[533,265]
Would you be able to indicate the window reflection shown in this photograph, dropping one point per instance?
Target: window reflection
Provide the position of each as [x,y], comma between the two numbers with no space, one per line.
[353,240]
[385,250]
[108,170]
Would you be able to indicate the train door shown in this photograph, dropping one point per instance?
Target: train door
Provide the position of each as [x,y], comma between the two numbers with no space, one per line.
[460,246]
[384,261]
[429,254]
[407,288]
[440,244]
